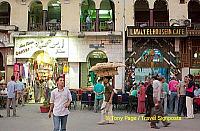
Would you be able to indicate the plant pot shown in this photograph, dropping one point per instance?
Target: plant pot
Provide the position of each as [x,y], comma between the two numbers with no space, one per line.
[44,109]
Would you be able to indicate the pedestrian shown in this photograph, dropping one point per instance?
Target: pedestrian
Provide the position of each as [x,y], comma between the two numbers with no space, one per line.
[165,95]
[106,108]
[99,91]
[11,87]
[157,110]
[181,89]
[59,103]
[37,90]
[141,98]
[149,98]
[189,97]
[20,90]
[173,103]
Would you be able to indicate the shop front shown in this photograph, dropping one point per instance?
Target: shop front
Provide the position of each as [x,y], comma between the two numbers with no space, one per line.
[151,51]
[40,60]
[87,52]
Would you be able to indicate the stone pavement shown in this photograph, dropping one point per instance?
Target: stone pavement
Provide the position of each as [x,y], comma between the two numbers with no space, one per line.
[30,119]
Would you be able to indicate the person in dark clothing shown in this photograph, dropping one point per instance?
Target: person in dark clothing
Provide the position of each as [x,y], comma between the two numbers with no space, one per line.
[149,98]
[189,97]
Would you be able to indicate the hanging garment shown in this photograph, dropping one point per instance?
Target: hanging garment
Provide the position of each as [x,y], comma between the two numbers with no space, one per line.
[16,67]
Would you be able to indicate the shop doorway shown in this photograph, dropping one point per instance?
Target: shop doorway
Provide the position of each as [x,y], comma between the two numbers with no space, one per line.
[43,71]
[94,57]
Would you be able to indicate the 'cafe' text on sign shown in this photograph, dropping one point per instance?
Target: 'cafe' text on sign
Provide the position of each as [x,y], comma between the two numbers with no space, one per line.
[133,31]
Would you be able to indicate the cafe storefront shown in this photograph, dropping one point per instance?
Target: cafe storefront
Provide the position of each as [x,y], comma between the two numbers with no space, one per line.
[190,54]
[153,50]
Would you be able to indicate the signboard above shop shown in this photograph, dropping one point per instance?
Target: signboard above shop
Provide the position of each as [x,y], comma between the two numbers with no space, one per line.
[133,31]
[56,47]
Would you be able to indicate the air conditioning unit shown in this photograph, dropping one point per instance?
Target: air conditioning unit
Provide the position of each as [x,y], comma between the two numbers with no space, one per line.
[180,22]
[174,22]
[187,22]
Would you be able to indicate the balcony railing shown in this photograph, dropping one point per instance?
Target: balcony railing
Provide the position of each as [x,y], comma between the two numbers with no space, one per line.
[143,24]
[88,27]
[106,26]
[4,20]
[161,24]
[53,26]
[35,27]
[103,26]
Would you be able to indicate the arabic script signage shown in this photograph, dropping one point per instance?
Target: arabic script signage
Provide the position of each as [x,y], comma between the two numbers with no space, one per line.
[133,31]
[56,47]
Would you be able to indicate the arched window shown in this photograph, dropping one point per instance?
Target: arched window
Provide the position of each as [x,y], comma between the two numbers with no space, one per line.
[4,13]
[107,15]
[35,16]
[88,15]
[194,11]
[54,15]
[141,8]
[161,13]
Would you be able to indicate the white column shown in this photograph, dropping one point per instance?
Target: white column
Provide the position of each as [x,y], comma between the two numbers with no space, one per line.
[74,75]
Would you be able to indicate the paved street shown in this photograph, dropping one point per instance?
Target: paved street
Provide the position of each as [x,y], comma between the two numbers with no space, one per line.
[30,119]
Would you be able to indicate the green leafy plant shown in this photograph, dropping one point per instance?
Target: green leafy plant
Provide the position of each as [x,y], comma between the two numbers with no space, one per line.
[45,104]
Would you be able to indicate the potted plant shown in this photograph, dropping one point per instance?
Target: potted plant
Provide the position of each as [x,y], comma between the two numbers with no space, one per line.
[45,107]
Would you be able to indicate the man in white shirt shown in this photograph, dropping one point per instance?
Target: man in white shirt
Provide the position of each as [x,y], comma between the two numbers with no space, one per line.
[88,23]
[11,91]
[60,101]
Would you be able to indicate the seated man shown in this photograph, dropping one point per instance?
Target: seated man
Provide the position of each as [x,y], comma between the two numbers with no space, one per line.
[3,94]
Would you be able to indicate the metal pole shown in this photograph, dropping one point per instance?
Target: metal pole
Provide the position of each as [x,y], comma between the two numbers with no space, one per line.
[123,48]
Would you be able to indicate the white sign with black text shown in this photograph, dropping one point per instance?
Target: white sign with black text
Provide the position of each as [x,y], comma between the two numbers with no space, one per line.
[56,47]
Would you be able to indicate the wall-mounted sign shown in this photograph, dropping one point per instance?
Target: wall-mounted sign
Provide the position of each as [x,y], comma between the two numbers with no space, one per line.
[96,46]
[133,31]
[56,47]
[10,60]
